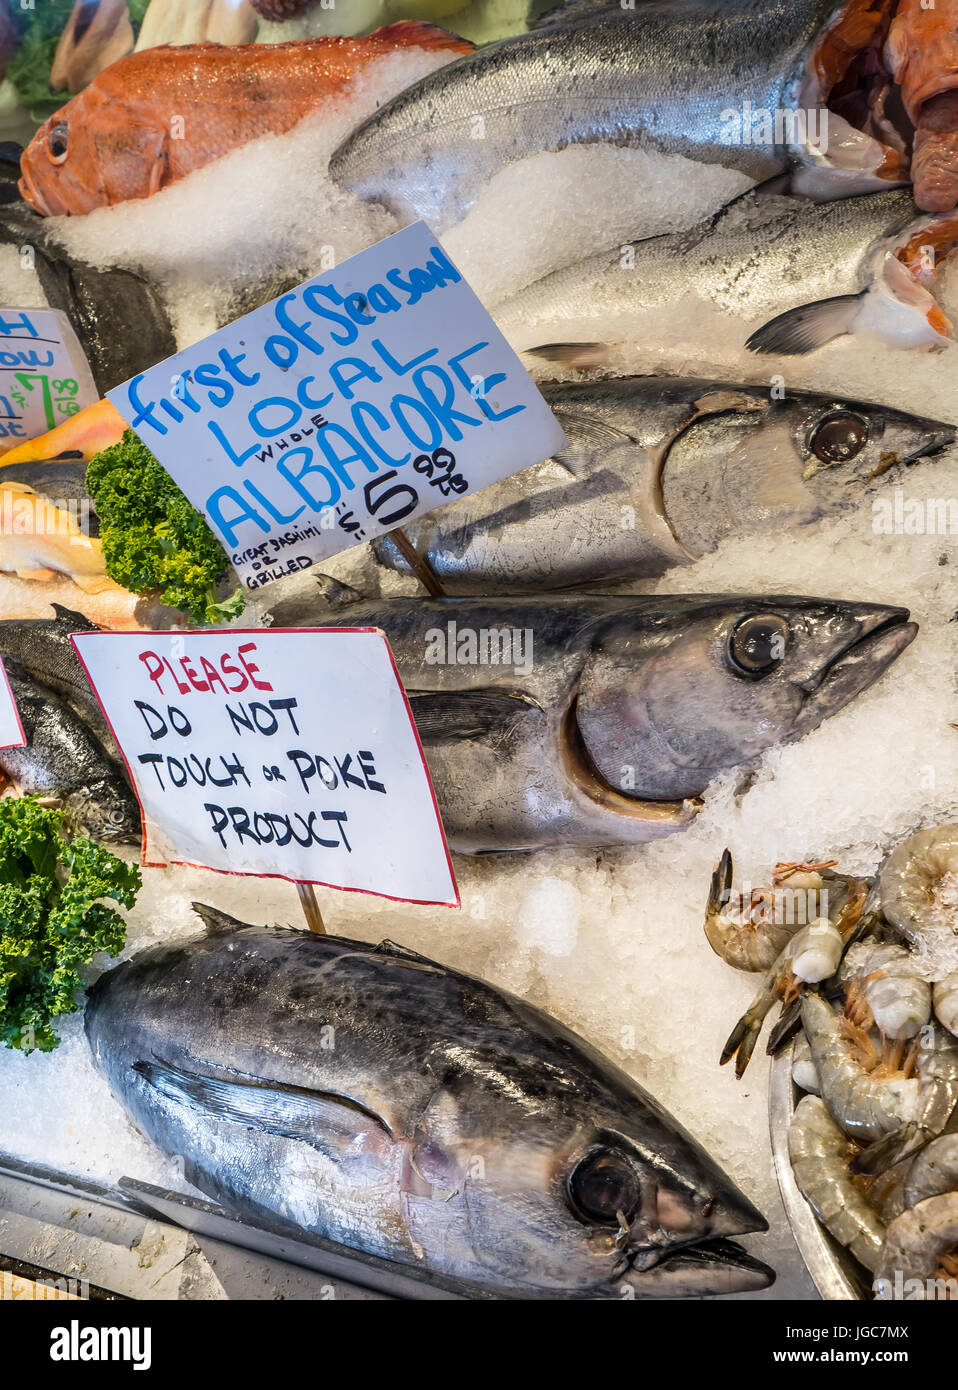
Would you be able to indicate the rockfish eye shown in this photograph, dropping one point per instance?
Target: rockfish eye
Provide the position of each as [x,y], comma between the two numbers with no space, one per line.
[57,142]
[839,438]
[758,643]
[117,816]
[603,1184]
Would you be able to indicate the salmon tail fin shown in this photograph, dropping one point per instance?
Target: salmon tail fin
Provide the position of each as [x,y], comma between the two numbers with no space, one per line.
[418,33]
[572,354]
[810,326]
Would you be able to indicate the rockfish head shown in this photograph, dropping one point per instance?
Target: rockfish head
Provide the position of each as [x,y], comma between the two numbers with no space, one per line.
[706,683]
[101,148]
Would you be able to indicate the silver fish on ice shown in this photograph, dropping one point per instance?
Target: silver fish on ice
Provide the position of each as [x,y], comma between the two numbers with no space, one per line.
[658,471]
[795,273]
[594,720]
[451,1127]
[660,75]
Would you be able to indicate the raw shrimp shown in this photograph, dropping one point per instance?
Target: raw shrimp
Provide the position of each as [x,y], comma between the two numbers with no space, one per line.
[886,1193]
[743,931]
[920,1247]
[937,1068]
[803,1068]
[918,883]
[898,999]
[812,955]
[819,1152]
[945,996]
[751,930]
[867,1104]
[933,1171]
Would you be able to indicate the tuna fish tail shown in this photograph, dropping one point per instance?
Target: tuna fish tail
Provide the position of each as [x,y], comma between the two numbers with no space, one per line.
[118,316]
[810,326]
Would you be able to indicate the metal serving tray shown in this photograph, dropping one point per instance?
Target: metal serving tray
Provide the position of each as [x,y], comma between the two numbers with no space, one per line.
[836,1274]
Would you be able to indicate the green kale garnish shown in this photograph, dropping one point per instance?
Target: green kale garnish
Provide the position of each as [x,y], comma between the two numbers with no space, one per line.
[53,919]
[154,539]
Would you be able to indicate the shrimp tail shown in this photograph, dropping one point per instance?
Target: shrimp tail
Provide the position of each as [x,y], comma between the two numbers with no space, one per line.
[789,1021]
[741,1043]
[888,1152]
[719,891]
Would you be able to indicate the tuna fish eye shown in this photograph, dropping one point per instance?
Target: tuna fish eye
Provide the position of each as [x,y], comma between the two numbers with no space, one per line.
[603,1184]
[57,142]
[839,438]
[758,643]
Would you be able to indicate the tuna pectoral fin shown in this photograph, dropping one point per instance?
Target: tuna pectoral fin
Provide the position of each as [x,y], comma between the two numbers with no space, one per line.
[808,327]
[38,575]
[329,1123]
[93,583]
[479,714]
[587,438]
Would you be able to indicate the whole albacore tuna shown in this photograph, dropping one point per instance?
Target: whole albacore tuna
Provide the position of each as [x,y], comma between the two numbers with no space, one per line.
[795,273]
[407,1111]
[592,720]
[734,83]
[658,471]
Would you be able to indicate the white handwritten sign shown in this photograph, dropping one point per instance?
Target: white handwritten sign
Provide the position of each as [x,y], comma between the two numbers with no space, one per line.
[369,395]
[44,376]
[11,730]
[287,753]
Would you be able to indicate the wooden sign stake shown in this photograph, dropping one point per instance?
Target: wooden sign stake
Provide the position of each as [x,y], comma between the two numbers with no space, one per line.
[419,565]
[314,918]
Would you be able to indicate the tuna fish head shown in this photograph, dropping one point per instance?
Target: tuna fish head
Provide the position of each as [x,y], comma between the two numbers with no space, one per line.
[708,683]
[571,1179]
[748,461]
[106,811]
[99,149]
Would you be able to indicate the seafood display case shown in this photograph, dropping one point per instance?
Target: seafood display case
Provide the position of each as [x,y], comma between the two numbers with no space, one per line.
[478,514]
